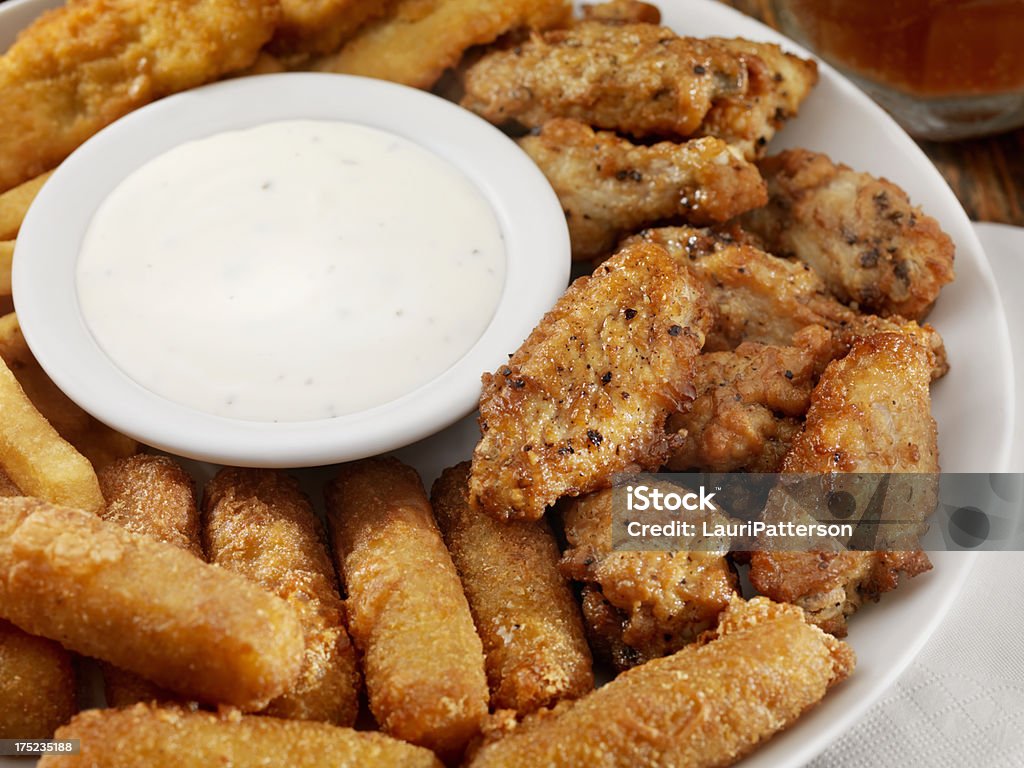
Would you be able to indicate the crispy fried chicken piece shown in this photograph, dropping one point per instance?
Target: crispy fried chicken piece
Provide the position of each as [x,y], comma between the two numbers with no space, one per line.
[639,79]
[641,605]
[588,393]
[416,43]
[750,404]
[861,234]
[310,27]
[622,12]
[82,66]
[778,84]
[766,299]
[610,187]
[871,412]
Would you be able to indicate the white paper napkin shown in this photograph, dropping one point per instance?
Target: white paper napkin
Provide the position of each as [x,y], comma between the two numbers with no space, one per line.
[961,702]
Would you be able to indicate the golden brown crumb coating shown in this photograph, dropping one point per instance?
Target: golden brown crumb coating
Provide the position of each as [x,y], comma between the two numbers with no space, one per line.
[37,685]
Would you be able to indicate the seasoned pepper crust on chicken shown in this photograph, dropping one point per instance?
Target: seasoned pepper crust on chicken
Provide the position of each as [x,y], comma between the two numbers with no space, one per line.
[588,393]
[641,605]
[82,66]
[610,187]
[871,412]
[872,247]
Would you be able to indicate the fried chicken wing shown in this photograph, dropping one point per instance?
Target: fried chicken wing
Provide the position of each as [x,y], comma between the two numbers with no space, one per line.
[641,605]
[421,38]
[610,187]
[871,412]
[707,705]
[861,234]
[588,393]
[85,64]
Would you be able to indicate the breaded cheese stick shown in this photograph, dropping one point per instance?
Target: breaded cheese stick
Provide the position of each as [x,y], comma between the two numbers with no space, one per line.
[151,496]
[524,610]
[707,705]
[422,659]
[15,202]
[177,738]
[144,605]
[258,524]
[37,685]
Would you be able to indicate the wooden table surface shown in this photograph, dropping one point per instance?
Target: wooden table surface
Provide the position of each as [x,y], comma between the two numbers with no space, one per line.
[987,174]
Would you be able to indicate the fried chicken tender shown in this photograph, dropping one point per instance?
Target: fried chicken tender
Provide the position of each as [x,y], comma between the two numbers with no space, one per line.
[173,737]
[422,38]
[422,659]
[588,393]
[638,79]
[14,204]
[525,612]
[869,413]
[610,187]
[641,605]
[622,12]
[766,299]
[750,404]
[82,66]
[37,685]
[707,705]
[311,27]
[861,234]
[144,605]
[148,496]
[258,523]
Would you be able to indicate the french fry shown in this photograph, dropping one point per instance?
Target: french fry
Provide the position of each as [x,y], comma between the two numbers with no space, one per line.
[93,439]
[36,458]
[14,204]
[6,263]
[145,606]
[37,685]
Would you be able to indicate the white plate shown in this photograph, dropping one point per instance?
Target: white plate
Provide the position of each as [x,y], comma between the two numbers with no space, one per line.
[973,404]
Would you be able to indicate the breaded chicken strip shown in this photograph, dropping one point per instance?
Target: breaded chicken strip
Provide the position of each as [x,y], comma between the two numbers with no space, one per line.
[310,27]
[766,299]
[622,12]
[82,66]
[871,412]
[422,38]
[861,234]
[524,611]
[641,605]
[588,393]
[610,187]
[706,706]
[750,404]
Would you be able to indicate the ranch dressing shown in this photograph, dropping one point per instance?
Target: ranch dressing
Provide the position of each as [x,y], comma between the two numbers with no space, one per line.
[293,271]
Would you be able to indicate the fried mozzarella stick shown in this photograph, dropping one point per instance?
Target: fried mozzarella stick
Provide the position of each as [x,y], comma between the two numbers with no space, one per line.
[258,524]
[80,67]
[861,234]
[144,605]
[37,685]
[14,204]
[706,706]
[524,610]
[422,660]
[610,187]
[149,496]
[588,393]
[177,738]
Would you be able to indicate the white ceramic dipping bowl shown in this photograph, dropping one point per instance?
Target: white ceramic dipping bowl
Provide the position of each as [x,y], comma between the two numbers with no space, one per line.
[528,213]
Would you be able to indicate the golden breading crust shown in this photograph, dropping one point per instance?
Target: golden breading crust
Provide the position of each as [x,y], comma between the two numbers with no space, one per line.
[144,605]
[587,394]
[861,234]
[422,38]
[871,412]
[422,659]
[311,27]
[610,187]
[82,66]
[638,79]
[622,12]
[525,612]
[257,523]
[641,605]
[707,705]
[14,204]
[37,685]
[172,737]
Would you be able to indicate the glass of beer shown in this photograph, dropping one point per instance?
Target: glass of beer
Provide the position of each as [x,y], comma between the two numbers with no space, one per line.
[945,69]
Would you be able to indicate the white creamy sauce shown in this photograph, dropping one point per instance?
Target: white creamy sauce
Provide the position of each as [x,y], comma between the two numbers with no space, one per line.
[297,270]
